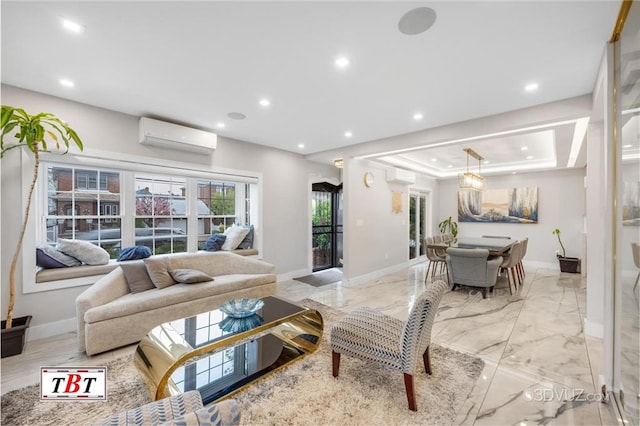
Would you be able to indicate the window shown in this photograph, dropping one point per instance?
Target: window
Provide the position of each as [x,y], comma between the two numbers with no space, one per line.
[78,210]
[161,213]
[218,207]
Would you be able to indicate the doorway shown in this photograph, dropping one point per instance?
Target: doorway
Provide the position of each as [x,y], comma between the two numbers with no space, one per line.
[417,224]
[326,226]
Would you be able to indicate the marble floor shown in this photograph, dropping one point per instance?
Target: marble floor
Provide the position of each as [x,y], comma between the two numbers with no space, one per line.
[540,368]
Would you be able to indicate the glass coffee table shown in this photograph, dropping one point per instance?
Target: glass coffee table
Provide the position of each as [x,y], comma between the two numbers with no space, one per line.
[219,355]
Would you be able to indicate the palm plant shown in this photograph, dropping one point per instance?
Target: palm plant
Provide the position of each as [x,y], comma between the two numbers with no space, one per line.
[32,132]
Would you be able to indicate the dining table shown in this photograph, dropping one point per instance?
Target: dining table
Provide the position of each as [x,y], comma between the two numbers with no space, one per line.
[496,246]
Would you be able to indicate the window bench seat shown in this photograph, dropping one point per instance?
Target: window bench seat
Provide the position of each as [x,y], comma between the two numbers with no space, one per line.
[58,274]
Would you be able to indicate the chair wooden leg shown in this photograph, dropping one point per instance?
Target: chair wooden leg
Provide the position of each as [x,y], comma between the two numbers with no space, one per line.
[427,361]
[411,396]
[335,363]
[636,283]
[484,292]
[509,282]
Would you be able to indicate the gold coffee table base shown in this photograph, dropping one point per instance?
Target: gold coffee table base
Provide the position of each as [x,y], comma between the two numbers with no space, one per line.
[196,352]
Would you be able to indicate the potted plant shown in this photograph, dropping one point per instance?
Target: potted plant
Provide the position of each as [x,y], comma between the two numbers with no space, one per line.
[32,132]
[567,264]
[449,226]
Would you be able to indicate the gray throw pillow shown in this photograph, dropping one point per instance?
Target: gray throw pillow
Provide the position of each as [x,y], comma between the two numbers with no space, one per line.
[137,277]
[189,276]
[84,251]
[49,257]
[159,272]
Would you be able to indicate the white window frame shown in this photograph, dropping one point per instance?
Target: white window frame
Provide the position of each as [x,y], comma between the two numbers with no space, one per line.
[127,165]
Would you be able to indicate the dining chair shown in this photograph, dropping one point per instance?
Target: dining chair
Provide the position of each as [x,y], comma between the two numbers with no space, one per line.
[523,253]
[372,336]
[635,248]
[434,259]
[510,265]
[472,267]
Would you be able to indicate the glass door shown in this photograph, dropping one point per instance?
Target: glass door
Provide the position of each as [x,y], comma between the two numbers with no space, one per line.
[327,225]
[417,224]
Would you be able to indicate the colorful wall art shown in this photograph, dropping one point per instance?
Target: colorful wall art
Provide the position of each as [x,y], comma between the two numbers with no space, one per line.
[509,205]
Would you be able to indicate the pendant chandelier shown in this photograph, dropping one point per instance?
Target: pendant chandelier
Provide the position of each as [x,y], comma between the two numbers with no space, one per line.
[469,180]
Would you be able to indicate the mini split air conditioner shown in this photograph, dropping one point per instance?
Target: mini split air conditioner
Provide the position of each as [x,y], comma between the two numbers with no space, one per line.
[172,136]
[401,176]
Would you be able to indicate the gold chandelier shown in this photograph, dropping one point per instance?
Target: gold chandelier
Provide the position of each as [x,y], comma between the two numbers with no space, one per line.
[469,180]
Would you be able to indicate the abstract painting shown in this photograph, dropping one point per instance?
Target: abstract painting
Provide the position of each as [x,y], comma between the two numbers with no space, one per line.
[509,205]
[631,204]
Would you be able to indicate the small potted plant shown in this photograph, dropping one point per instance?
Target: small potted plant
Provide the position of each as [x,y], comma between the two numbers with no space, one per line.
[449,225]
[567,264]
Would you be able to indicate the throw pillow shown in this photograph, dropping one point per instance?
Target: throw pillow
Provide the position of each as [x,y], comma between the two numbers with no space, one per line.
[84,251]
[134,252]
[247,242]
[235,235]
[137,277]
[189,276]
[215,242]
[48,257]
[159,272]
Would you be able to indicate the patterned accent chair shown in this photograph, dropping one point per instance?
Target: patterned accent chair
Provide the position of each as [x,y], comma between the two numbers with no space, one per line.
[183,409]
[370,335]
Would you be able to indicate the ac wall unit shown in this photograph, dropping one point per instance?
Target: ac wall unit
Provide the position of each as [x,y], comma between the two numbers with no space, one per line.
[396,175]
[173,136]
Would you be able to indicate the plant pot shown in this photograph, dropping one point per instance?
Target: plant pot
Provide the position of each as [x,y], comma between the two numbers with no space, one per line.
[13,338]
[569,264]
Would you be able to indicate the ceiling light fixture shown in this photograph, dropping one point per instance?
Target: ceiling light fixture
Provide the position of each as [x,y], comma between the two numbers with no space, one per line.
[339,163]
[72,26]
[300,145]
[417,116]
[469,180]
[66,83]
[265,102]
[220,125]
[627,146]
[524,148]
[348,134]
[529,157]
[342,62]
[531,87]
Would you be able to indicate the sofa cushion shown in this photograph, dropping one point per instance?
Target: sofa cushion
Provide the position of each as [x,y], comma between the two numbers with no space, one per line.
[84,251]
[214,242]
[189,276]
[48,257]
[159,272]
[134,253]
[133,303]
[235,235]
[138,278]
[247,242]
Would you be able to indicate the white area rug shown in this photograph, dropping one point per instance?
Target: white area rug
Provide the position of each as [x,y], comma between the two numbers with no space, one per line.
[304,393]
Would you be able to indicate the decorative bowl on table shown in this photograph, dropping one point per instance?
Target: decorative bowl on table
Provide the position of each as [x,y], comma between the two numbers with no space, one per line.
[242,308]
[236,325]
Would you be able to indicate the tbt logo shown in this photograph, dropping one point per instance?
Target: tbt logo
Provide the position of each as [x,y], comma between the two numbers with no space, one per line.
[71,383]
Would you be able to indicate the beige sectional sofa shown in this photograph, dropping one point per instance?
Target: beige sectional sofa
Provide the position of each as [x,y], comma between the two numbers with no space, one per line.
[110,316]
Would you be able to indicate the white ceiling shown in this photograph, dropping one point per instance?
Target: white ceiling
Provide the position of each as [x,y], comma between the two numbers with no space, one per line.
[194,62]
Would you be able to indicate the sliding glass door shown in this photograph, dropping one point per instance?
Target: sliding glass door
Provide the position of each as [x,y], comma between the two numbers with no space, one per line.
[417,224]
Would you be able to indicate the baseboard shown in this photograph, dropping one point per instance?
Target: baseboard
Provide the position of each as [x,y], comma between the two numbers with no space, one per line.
[51,329]
[375,274]
[593,329]
[293,274]
[533,264]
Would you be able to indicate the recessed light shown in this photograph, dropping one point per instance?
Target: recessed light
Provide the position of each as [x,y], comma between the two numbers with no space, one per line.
[300,145]
[434,159]
[417,116]
[66,83]
[450,166]
[348,134]
[342,62]
[531,87]
[529,157]
[220,125]
[524,148]
[72,26]
[486,161]
[513,173]
[627,146]
[265,102]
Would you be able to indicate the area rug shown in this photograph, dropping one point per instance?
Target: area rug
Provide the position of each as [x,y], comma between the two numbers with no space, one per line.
[318,279]
[305,393]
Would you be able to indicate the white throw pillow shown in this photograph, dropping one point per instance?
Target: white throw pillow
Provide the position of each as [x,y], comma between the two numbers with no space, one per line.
[235,235]
[84,251]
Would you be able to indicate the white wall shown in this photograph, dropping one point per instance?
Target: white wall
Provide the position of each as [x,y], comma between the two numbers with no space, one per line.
[285,176]
[561,204]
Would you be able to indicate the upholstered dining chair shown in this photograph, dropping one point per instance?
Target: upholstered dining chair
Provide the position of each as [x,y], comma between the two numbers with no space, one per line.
[510,264]
[372,336]
[434,259]
[635,248]
[472,267]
